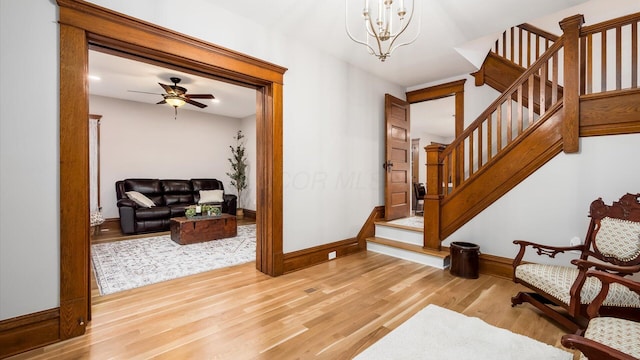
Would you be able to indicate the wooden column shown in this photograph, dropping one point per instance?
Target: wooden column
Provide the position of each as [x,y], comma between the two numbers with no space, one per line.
[571,107]
[433,197]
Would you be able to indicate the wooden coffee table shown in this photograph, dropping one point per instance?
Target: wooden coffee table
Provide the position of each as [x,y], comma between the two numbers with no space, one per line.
[203,228]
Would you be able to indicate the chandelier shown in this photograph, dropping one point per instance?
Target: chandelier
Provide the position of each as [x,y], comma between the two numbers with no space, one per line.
[383,28]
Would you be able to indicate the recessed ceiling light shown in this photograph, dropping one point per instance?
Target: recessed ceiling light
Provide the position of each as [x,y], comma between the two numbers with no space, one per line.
[215,101]
[94,77]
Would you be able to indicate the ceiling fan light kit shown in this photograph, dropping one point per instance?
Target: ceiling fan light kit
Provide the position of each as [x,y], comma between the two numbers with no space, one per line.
[176,96]
[383,29]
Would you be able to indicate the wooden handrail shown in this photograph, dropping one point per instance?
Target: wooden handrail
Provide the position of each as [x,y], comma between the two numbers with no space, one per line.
[536,30]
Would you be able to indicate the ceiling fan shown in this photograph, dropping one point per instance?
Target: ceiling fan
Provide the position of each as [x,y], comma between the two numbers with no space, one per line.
[177,96]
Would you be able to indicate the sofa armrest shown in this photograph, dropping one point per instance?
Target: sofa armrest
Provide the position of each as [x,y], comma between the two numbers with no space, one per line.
[127,219]
[230,204]
[127,203]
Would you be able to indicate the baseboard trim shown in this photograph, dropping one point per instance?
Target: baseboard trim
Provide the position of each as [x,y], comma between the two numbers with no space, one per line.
[496,266]
[251,214]
[301,259]
[29,331]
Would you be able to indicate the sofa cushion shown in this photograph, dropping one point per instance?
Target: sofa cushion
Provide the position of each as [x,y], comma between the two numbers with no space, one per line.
[211,196]
[156,212]
[151,188]
[140,199]
[205,184]
[177,191]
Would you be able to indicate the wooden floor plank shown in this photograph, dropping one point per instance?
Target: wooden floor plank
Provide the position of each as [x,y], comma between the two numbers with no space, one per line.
[330,311]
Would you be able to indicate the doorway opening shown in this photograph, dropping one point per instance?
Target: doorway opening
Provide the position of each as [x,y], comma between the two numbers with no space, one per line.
[83,25]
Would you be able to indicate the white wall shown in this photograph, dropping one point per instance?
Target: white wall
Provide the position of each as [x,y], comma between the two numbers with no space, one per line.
[551,206]
[29,205]
[145,141]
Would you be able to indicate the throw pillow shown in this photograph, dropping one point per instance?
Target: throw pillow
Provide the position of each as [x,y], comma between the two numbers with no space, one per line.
[210,196]
[140,199]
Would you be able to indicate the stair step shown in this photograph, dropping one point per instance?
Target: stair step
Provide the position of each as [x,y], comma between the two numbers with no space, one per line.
[402,233]
[410,252]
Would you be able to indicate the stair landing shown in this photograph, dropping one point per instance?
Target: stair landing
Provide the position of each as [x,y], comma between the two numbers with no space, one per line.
[403,238]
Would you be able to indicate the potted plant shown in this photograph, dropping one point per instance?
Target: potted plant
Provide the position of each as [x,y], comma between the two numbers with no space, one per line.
[238,173]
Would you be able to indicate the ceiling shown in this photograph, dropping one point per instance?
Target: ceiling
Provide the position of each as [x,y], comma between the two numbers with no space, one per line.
[119,76]
[454,39]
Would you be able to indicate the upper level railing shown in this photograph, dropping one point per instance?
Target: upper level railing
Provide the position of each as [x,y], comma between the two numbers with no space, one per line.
[523,44]
[609,55]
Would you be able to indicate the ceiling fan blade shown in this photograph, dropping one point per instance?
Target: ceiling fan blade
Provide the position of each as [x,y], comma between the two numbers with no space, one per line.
[143,92]
[200,96]
[168,88]
[195,103]
[161,102]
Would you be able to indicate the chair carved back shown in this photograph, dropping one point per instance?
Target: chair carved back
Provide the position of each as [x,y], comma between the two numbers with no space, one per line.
[614,234]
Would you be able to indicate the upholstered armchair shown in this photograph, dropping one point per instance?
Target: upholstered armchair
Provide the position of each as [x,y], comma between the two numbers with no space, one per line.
[563,293]
[607,337]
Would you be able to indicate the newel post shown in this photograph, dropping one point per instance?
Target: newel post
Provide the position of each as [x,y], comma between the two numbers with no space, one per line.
[433,197]
[571,94]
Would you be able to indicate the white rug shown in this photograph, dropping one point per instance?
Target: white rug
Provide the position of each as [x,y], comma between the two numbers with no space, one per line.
[438,333]
[127,264]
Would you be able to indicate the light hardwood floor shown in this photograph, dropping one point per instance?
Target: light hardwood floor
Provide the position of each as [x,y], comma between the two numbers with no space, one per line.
[330,311]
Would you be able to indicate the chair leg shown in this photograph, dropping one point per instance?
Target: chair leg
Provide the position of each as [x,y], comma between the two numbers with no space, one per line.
[539,302]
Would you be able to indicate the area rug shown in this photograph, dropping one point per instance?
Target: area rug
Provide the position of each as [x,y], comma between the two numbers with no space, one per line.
[128,264]
[438,333]
[412,221]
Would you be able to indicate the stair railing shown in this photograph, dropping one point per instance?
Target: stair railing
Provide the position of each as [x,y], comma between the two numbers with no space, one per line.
[504,121]
[609,55]
[523,44]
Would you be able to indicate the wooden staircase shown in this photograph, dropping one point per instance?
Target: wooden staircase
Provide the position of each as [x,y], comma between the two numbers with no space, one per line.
[566,91]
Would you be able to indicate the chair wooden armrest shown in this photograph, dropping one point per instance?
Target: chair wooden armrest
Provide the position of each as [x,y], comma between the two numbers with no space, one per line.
[618,269]
[550,251]
[593,350]
[606,279]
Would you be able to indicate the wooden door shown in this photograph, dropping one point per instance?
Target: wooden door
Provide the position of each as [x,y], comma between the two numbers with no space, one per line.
[397,190]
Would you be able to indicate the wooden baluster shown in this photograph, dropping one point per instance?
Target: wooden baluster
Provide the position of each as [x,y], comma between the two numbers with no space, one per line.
[589,60]
[537,47]
[571,92]
[461,160]
[489,137]
[433,197]
[480,149]
[499,130]
[543,89]
[532,96]
[471,153]
[555,80]
[509,121]
[583,67]
[528,50]
[634,55]
[618,31]
[603,64]
[520,105]
[520,46]
[504,44]
[512,50]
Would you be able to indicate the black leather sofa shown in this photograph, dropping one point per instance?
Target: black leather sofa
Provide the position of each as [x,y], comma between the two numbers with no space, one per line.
[170,198]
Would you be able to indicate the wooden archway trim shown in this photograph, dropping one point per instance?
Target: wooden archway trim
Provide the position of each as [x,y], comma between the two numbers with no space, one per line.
[454,88]
[82,25]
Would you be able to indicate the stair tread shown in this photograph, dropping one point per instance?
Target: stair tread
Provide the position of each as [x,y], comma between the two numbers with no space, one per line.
[444,253]
[404,227]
